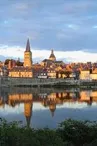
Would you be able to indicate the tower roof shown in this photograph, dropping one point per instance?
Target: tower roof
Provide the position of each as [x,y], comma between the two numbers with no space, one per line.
[28,46]
[52,55]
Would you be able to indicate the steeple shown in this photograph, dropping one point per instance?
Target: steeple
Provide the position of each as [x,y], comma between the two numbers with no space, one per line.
[28,46]
[28,55]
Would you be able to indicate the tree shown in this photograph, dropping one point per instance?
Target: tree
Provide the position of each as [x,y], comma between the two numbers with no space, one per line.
[67,73]
[18,63]
[7,61]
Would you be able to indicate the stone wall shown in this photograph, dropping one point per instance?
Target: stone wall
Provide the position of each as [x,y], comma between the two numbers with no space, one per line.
[12,81]
[9,81]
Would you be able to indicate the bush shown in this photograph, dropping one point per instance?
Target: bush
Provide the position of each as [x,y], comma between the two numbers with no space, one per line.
[69,133]
[11,134]
[78,132]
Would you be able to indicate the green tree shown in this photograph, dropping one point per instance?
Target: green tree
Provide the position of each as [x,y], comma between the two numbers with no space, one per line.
[7,61]
[18,63]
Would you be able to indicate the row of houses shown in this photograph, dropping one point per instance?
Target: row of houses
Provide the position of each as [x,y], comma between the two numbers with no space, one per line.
[36,72]
[40,72]
[52,73]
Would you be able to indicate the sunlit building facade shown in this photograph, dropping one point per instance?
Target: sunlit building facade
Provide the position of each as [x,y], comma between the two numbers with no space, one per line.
[25,70]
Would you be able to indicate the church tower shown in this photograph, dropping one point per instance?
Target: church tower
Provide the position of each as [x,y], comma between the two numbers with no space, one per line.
[28,112]
[28,56]
[52,56]
[28,105]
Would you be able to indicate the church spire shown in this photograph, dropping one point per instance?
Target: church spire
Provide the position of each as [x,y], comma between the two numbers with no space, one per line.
[28,55]
[28,46]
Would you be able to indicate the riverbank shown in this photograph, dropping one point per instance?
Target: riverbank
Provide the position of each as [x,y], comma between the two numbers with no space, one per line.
[43,90]
[34,82]
[69,133]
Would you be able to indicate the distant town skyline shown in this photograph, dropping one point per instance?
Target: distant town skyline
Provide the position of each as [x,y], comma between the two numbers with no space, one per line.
[67,26]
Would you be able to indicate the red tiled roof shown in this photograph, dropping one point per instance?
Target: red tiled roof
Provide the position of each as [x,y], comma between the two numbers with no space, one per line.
[20,68]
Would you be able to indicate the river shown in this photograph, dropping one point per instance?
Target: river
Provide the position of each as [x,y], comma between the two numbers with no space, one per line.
[47,107]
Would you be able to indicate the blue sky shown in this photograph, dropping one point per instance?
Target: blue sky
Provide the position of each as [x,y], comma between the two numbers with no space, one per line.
[65,25]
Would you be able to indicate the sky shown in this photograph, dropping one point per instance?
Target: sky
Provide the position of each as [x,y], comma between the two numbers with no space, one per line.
[67,26]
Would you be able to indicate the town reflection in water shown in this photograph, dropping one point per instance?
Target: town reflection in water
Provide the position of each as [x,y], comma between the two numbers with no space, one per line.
[49,99]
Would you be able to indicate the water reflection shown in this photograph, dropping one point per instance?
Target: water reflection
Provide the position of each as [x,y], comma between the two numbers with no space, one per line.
[50,99]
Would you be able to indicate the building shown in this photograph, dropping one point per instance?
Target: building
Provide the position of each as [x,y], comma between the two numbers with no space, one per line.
[58,63]
[51,61]
[85,75]
[51,73]
[52,56]
[3,71]
[42,73]
[88,75]
[47,63]
[28,56]
[25,70]
[93,76]
[21,72]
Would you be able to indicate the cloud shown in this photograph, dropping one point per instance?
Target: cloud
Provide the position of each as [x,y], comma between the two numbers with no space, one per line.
[95,26]
[38,55]
[64,25]
[73,26]
[21,7]
[78,6]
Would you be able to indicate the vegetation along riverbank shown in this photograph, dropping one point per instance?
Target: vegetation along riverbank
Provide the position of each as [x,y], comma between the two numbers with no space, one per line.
[68,133]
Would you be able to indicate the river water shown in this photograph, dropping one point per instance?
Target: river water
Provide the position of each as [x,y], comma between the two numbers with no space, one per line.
[47,107]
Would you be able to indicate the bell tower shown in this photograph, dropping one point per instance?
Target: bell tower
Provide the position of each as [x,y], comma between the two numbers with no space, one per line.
[28,55]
